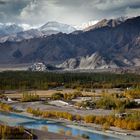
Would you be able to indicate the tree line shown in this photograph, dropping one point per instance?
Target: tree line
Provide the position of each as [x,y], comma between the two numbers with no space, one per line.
[44,80]
[5,107]
[29,97]
[130,122]
[7,132]
[133,93]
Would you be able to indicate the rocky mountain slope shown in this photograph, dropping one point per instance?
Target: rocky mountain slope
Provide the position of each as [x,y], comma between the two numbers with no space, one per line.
[116,46]
[107,23]
[95,61]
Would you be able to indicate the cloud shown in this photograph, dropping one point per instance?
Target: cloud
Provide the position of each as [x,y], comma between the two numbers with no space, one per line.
[36,12]
[2,2]
[10,10]
[132,11]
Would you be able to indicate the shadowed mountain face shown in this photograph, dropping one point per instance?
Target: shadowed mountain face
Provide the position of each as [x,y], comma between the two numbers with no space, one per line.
[118,44]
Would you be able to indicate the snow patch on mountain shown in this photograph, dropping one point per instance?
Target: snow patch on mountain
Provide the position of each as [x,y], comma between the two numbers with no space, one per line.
[33,33]
[7,29]
[106,23]
[86,25]
[13,32]
[57,27]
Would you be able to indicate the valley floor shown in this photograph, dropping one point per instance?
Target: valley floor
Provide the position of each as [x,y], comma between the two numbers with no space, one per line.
[49,106]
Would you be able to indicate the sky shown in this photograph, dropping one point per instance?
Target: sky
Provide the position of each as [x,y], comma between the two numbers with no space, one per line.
[73,12]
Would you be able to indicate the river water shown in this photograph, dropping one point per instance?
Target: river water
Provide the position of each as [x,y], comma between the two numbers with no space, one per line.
[28,122]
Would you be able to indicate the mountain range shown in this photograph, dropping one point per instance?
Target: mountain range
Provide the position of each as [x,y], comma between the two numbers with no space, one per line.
[16,33]
[108,44]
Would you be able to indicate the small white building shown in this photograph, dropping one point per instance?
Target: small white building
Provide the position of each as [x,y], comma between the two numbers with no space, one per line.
[59,103]
[9,99]
[137,100]
[80,99]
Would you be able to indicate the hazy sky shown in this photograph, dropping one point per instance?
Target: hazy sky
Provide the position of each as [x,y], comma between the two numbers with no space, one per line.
[74,12]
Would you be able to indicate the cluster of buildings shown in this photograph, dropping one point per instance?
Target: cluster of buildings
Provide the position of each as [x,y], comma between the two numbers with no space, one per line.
[5,99]
[38,67]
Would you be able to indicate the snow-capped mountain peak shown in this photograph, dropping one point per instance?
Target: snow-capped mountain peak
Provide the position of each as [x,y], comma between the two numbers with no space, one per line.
[7,29]
[58,27]
[86,25]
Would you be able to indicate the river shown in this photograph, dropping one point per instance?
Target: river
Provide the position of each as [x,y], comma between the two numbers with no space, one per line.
[12,119]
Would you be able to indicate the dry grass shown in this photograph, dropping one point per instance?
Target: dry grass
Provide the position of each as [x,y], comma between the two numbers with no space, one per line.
[41,93]
[48,93]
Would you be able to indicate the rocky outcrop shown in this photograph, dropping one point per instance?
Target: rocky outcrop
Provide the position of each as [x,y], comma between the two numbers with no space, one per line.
[95,61]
